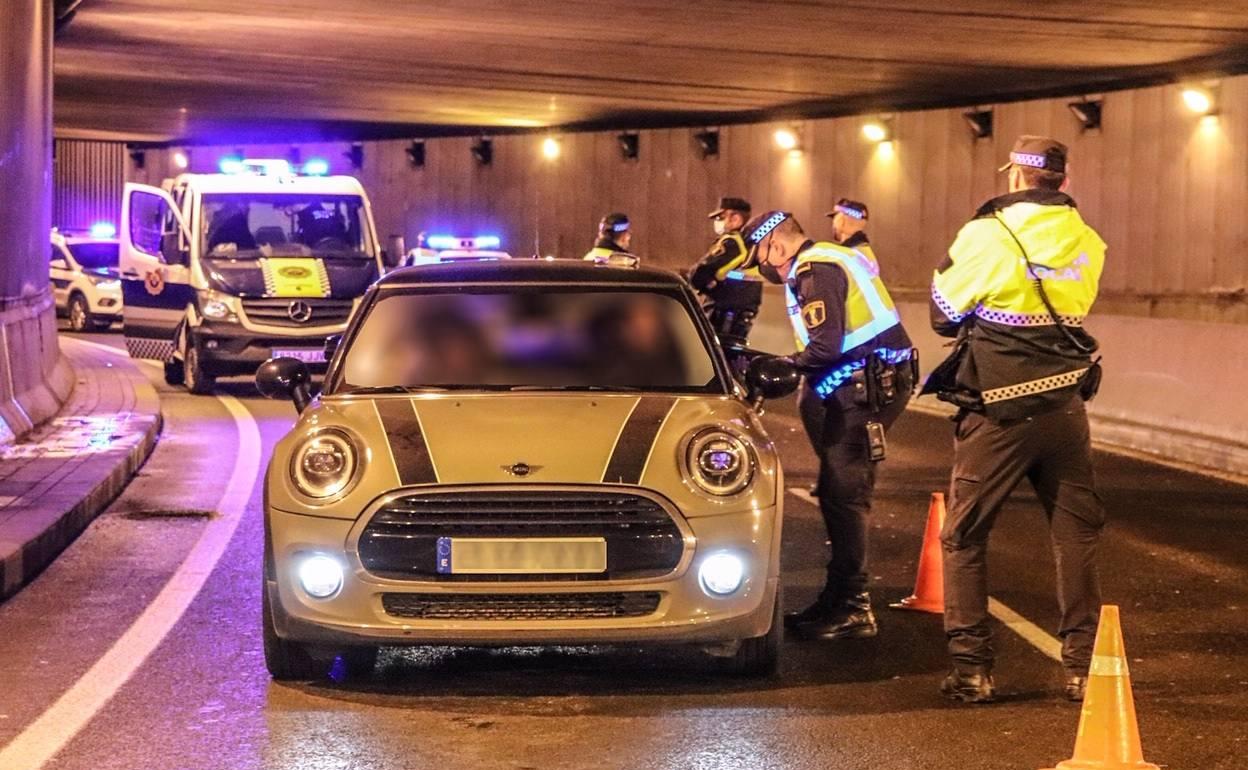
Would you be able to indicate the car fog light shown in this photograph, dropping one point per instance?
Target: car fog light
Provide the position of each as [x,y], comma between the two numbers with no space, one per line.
[721,574]
[320,576]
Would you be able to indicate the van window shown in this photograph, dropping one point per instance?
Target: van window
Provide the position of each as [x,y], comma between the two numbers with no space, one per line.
[253,225]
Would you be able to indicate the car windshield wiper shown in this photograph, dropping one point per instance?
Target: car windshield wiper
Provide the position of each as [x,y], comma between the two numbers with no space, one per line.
[375,389]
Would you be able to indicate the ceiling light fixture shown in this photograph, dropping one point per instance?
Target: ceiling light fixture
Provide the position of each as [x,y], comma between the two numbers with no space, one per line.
[483,151]
[980,122]
[1088,113]
[878,131]
[708,142]
[630,146]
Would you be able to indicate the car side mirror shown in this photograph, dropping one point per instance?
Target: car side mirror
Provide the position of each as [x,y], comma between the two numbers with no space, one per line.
[331,345]
[285,378]
[770,377]
[171,250]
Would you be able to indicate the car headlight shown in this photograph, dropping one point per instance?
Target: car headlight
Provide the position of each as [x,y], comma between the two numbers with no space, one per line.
[104,282]
[719,462]
[325,464]
[721,574]
[217,306]
[320,576]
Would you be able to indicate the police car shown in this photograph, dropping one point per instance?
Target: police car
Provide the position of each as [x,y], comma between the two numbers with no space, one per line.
[438,249]
[523,452]
[85,279]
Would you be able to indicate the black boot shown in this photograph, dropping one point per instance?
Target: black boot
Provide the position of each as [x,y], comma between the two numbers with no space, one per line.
[852,618]
[969,686]
[1076,687]
[823,606]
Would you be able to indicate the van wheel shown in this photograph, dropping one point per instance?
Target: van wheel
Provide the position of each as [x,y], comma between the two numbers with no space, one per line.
[760,656]
[194,377]
[80,319]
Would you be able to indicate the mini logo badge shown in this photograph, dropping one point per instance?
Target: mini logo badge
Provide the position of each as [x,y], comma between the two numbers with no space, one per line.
[521,469]
[294,272]
[299,311]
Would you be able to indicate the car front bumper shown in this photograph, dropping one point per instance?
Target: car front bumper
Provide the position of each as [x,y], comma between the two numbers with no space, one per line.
[685,612]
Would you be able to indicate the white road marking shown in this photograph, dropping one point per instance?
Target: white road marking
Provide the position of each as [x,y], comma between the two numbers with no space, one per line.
[1031,633]
[48,734]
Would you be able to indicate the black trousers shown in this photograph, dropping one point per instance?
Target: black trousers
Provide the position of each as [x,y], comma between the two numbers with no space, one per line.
[1053,451]
[837,429]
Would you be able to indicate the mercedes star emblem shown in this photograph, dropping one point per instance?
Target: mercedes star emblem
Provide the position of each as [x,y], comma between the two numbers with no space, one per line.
[299,311]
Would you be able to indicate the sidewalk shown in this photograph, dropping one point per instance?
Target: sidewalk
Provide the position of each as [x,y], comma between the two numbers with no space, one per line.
[54,482]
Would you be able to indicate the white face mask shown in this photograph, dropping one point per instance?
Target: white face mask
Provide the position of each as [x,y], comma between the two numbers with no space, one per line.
[719,226]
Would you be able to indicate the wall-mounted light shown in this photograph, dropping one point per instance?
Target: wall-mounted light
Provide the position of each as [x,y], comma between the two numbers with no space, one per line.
[355,154]
[878,131]
[415,154]
[181,159]
[1201,100]
[630,146]
[1088,113]
[551,148]
[708,142]
[980,123]
[139,159]
[483,151]
[787,139]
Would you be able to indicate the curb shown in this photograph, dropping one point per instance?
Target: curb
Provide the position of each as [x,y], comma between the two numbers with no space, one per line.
[36,553]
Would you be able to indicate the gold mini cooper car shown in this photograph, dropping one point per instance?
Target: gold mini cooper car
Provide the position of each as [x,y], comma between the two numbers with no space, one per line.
[523,452]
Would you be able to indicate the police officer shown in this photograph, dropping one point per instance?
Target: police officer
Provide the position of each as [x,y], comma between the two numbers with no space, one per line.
[856,356]
[1017,283]
[731,292]
[614,237]
[849,223]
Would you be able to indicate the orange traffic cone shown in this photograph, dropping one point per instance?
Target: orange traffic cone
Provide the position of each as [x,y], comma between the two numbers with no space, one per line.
[929,586]
[1109,738]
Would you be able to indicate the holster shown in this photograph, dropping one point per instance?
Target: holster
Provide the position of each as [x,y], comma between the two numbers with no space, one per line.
[878,384]
[1090,382]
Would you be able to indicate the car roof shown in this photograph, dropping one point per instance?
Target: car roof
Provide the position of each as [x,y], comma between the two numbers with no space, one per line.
[528,271]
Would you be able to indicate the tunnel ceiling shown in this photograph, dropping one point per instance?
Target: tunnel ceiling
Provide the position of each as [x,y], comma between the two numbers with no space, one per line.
[282,69]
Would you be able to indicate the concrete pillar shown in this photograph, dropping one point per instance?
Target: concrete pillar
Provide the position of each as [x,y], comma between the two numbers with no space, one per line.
[34,378]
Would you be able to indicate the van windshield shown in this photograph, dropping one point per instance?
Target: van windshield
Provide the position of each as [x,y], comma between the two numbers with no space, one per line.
[272,224]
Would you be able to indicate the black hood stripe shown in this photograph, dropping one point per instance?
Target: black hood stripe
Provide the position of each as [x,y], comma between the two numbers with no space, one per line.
[632,448]
[407,441]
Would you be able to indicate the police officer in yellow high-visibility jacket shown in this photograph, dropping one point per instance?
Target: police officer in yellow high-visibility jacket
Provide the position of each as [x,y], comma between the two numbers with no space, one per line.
[856,356]
[614,237]
[1015,288]
[731,291]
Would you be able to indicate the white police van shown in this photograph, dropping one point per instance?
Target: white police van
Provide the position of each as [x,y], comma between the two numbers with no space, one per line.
[221,272]
[83,272]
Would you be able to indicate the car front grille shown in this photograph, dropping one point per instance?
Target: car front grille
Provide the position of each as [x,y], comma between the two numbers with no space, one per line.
[276,311]
[571,606]
[400,541]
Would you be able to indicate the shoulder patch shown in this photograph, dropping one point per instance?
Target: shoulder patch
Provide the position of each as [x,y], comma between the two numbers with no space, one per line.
[814,313]
[802,268]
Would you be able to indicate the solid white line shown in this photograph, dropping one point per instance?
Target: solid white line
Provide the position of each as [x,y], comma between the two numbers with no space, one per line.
[1031,633]
[48,734]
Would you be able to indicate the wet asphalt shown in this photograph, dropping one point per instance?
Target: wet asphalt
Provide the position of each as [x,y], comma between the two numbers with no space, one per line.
[1173,557]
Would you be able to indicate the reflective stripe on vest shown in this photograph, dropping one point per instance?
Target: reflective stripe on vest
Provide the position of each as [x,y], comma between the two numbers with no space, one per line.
[869,308]
[742,254]
[598,252]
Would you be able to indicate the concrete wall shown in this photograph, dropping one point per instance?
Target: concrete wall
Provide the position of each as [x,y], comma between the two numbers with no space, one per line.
[34,378]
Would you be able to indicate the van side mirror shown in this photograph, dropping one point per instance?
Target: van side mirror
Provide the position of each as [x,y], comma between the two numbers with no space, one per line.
[771,377]
[285,378]
[396,249]
[331,345]
[171,250]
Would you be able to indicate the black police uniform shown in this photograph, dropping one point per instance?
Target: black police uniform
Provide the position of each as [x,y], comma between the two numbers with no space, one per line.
[731,295]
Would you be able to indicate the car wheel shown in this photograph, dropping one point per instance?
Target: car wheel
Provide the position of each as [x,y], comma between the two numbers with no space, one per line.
[287,660]
[174,373]
[80,314]
[359,661]
[760,656]
[194,377]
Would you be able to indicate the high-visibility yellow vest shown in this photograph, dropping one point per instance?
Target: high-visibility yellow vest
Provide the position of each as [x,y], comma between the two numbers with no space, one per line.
[869,310]
[598,252]
[731,269]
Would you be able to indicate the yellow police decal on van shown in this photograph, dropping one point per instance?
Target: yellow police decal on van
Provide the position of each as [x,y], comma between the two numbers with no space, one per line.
[294,277]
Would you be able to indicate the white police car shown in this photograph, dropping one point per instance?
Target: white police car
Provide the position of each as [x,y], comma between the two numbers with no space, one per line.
[441,249]
[85,279]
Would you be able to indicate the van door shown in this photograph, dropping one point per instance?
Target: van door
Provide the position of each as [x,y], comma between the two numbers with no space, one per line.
[155,270]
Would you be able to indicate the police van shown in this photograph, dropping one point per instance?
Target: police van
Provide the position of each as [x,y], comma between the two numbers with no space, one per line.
[221,272]
[83,272]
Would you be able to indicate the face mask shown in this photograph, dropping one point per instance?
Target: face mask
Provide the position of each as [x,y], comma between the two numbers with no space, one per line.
[719,226]
[770,272]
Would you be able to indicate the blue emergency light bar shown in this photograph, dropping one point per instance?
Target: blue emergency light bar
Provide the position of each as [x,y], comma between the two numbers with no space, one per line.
[443,242]
[316,167]
[103,230]
[234,165]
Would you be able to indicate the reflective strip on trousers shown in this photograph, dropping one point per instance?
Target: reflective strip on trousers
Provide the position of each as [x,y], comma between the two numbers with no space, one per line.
[1033,387]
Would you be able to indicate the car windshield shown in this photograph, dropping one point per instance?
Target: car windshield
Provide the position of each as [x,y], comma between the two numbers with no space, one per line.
[530,338]
[266,224]
[94,256]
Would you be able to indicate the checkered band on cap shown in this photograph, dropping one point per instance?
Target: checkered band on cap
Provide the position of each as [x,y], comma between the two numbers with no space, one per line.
[850,211]
[771,223]
[1027,159]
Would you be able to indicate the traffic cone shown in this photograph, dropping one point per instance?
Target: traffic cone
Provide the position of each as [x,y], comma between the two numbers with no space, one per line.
[1109,738]
[929,586]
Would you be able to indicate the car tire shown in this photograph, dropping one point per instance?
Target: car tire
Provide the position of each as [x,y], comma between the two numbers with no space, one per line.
[288,661]
[175,374]
[194,377]
[80,318]
[760,656]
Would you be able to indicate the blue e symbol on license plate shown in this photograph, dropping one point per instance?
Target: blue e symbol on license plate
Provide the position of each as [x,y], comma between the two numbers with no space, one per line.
[444,556]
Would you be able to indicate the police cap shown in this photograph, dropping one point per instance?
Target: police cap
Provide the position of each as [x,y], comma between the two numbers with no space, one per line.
[1038,152]
[850,208]
[739,205]
[613,224]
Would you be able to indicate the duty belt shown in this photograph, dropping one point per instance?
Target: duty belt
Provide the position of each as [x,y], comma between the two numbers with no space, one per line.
[834,379]
[1033,387]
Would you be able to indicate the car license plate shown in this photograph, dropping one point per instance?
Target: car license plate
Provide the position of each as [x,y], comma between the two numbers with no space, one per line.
[316,356]
[514,556]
